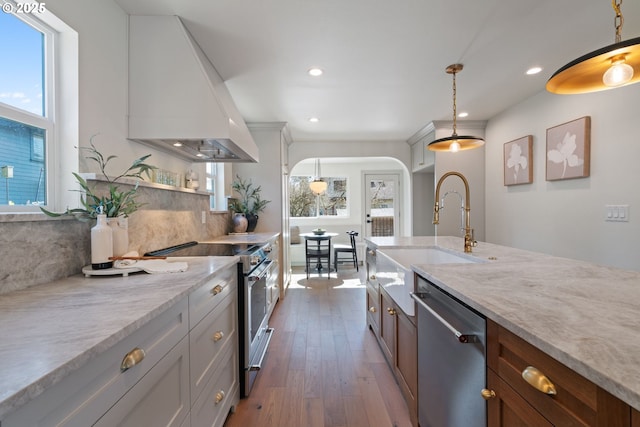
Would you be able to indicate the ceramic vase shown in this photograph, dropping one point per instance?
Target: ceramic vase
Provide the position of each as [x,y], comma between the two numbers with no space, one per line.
[240,223]
[252,222]
[120,231]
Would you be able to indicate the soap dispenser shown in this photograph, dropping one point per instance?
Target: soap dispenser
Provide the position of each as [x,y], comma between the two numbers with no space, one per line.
[101,243]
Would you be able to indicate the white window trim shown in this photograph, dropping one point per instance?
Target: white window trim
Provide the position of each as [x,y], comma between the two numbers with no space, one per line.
[62,111]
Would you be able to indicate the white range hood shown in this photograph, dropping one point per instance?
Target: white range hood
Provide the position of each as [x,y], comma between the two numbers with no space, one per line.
[177,100]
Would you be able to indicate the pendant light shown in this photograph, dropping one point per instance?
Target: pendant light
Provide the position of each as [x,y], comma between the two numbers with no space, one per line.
[317,186]
[455,142]
[612,66]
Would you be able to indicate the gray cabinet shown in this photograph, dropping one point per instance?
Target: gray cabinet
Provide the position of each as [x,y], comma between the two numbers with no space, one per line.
[180,365]
[422,159]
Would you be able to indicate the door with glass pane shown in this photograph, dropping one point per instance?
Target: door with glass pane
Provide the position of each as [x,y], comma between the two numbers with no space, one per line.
[381,204]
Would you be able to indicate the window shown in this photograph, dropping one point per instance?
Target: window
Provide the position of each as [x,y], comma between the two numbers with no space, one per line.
[26,113]
[303,203]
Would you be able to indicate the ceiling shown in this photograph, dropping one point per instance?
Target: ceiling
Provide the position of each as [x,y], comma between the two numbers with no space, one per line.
[384,60]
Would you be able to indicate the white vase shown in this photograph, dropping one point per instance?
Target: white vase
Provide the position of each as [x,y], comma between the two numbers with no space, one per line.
[240,223]
[101,244]
[120,231]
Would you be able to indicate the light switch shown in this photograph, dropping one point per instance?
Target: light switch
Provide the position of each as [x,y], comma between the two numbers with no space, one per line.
[616,213]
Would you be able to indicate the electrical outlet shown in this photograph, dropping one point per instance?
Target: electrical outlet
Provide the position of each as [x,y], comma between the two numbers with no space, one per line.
[616,213]
[204,217]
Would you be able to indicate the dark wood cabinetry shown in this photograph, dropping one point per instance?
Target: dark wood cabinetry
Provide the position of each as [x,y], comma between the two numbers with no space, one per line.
[512,401]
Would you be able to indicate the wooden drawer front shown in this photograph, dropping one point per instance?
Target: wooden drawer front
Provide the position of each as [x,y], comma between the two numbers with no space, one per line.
[209,338]
[160,398]
[85,395]
[578,401]
[508,408]
[220,393]
[373,309]
[208,296]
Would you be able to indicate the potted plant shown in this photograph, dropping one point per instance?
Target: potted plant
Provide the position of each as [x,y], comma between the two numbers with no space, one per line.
[249,203]
[117,204]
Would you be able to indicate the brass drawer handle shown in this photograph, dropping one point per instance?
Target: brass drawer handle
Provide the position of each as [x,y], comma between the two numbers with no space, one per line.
[132,358]
[538,380]
[487,394]
[217,289]
[372,253]
[372,309]
[219,397]
[218,336]
[372,277]
[391,311]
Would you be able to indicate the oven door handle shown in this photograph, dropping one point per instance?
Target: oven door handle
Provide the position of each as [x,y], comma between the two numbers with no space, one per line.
[258,366]
[264,271]
[463,338]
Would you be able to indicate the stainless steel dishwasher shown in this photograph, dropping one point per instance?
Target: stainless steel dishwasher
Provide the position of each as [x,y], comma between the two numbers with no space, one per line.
[451,360]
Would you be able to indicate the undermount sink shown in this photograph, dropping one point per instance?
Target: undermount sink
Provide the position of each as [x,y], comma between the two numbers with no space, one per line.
[393,269]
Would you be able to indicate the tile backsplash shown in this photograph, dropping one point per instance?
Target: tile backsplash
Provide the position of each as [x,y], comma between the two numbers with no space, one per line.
[42,250]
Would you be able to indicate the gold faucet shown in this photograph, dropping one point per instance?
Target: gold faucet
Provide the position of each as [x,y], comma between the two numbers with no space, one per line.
[469,241]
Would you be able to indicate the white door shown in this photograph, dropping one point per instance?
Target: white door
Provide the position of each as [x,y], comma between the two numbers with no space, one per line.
[382,204]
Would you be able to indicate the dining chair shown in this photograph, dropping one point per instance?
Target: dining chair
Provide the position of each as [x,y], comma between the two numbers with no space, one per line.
[316,251]
[348,249]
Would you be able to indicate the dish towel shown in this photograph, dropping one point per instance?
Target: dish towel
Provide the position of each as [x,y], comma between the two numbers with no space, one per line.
[151,265]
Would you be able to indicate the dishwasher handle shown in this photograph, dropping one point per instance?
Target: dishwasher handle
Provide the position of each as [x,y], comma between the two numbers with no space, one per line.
[463,338]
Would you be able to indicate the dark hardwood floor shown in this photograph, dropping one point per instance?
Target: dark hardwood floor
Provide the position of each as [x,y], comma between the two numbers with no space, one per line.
[324,366]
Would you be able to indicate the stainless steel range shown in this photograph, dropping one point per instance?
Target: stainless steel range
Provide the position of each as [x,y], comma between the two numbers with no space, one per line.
[254,272]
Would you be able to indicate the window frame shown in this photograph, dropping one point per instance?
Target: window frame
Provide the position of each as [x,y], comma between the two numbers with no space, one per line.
[318,197]
[61,100]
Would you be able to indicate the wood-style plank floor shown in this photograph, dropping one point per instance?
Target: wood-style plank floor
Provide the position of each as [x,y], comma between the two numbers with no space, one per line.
[324,367]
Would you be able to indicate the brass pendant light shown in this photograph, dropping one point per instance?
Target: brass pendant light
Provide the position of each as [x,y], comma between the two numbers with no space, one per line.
[455,142]
[612,66]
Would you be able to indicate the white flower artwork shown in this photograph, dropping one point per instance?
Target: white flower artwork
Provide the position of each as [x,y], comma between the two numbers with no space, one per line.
[517,161]
[568,150]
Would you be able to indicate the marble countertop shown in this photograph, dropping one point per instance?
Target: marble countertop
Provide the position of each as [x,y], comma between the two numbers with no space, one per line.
[582,314]
[91,314]
[242,239]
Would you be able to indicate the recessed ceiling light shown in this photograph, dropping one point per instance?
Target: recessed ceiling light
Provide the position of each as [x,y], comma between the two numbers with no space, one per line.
[533,70]
[200,155]
[314,120]
[463,114]
[315,72]
[177,144]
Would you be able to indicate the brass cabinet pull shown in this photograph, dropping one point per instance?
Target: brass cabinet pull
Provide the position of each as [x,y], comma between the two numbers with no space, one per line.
[391,311]
[219,397]
[372,277]
[372,309]
[216,289]
[218,336]
[372,253]
[131,359]
[487,394]
[538,380]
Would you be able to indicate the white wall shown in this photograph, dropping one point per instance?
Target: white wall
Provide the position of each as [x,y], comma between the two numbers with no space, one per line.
[566,218]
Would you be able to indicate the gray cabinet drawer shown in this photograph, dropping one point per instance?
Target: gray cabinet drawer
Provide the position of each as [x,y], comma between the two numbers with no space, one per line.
[160,398]
[86,394]
[220,393]
[208,296]
[216,332]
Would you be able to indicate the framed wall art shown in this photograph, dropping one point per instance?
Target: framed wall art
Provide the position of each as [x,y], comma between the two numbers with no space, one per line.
[568,150]
[518,161]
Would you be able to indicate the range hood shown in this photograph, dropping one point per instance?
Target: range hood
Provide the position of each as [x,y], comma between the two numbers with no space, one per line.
[178,102]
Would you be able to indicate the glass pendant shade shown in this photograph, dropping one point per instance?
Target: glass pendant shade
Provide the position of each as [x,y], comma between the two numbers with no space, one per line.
[318,186]
[455,142]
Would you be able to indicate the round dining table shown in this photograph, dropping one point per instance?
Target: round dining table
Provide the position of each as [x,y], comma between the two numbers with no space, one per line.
[319,238]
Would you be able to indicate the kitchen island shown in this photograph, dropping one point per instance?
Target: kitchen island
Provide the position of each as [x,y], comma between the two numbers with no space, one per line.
[581,314]
[52,331]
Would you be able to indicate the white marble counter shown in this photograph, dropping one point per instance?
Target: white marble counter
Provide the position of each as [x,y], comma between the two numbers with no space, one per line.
[50,330]
[584,315]
[244,239]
